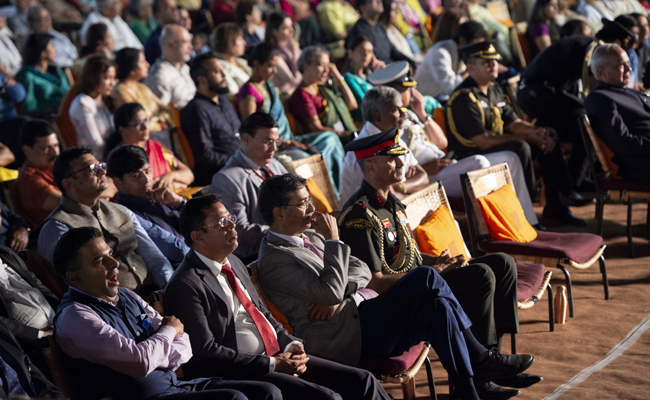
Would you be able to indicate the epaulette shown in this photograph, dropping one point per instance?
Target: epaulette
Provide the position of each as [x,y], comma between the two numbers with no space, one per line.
[360,205]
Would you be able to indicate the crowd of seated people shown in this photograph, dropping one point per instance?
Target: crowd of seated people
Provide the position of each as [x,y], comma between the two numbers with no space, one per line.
[153,145]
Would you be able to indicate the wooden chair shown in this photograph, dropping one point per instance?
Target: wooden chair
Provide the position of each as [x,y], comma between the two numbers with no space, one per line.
[608,185]
[61,376]
[532,280]
[182,146]
[523,56]
[314,167]
[400,369]
[577,250]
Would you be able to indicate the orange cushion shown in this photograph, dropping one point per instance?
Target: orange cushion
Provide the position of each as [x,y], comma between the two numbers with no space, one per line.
[318,197]
[439,233]
[504,216]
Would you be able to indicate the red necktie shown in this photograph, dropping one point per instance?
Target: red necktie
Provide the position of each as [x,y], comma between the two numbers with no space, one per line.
[309,245]
[266,172]
[268,337]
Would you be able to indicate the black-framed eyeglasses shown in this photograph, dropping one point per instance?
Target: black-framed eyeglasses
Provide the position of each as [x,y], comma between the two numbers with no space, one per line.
[94,168]
[303,205]
[139,124]
[223,221]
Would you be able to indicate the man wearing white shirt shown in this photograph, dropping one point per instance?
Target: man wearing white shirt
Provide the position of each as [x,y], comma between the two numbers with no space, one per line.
[108,12]
[40,20]
[10,58]
[232,334]
[440,71]
[169,77]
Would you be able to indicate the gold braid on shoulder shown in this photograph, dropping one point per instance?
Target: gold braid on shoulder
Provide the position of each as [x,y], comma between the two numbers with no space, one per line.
[406,242]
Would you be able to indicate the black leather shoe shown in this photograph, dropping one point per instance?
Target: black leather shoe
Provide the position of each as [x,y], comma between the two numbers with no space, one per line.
[502,366]
[565,217]
[487,390]
[520,381]
[575,199]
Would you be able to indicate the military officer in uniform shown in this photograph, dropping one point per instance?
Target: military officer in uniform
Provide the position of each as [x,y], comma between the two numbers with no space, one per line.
[480,121]
[375,226]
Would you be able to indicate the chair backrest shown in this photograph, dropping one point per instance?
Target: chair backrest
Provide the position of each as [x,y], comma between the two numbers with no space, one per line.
[421,203]
[61,376]
[255,279]
[477,184]
[8,195]
[603,152]
[63,121]
[180,138]
[511,94]
[315,167]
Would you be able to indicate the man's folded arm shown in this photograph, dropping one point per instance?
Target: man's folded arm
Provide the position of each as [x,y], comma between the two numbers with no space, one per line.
[81,333]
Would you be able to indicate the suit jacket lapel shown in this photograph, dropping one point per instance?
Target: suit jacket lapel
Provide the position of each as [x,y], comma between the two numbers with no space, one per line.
[300,252]
[209,280]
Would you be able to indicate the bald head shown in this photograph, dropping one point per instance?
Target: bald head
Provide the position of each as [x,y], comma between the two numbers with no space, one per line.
[176,43]
[610,64]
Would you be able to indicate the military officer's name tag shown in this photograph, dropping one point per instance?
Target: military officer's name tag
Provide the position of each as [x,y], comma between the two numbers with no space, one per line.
[483,104]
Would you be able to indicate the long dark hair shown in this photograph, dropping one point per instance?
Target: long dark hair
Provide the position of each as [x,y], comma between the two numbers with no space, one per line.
[126,61]
[273,22]
[94,34]
[35,46]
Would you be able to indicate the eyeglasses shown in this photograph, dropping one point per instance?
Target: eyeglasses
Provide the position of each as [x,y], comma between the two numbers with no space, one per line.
[94,168]
[139,124]
[223,221]
[303,205]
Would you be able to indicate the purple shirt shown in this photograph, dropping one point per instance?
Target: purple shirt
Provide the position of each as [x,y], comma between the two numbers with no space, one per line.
[81,333]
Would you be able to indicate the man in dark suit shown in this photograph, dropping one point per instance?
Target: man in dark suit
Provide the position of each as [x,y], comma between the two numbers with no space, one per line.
[232,334]
[239,181]
[618,115]
[18,374]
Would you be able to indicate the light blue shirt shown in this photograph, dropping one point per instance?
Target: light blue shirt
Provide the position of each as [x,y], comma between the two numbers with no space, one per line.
[173,247]
[153,258]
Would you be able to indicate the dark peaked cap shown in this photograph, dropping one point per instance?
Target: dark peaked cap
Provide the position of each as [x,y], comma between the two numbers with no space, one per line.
[484,50]
[385,143]
[612,31]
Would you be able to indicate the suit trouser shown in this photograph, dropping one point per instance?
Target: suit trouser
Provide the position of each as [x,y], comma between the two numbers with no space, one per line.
[326,379]
[450,177]
[418,307]
[487,291]
[219,389]
[561,110]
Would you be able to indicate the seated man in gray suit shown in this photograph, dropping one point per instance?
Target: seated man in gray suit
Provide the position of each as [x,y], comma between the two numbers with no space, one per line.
[232,334]
[238,182]
[311,276]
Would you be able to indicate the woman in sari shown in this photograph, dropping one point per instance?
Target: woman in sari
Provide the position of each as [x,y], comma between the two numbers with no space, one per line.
[259,94]
[320,106]
[132,68]
[132,128]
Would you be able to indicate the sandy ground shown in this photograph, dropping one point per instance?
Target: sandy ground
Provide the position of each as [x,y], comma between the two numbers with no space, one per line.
[598,326]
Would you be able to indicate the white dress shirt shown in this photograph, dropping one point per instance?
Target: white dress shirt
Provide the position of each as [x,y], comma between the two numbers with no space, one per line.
[66,51]
[120,30]
[246,332]
[10,57]
[170,84]
[438,74]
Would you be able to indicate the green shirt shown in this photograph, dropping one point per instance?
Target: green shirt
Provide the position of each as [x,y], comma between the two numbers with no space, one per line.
[43,92]
[141,30]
